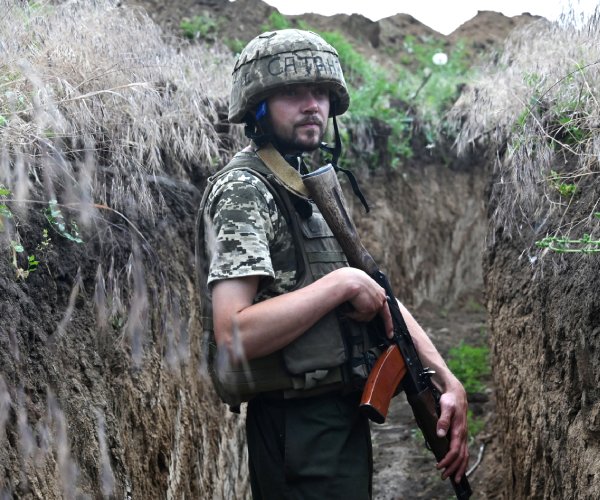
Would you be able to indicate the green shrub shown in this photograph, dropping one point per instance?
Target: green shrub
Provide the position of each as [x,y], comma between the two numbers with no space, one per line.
[471,366]
[418,89]
[474,424]
[5,211]
[276,21]
[565,189]
[356,67]
[235,45]
[199,27]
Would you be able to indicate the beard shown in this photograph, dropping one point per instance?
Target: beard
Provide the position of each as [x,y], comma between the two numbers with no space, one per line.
[297,140]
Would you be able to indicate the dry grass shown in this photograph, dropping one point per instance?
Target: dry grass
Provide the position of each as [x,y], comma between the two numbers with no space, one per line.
[94,102]
[537,103]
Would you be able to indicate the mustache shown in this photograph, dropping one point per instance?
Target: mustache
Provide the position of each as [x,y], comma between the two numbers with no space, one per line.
[312,120]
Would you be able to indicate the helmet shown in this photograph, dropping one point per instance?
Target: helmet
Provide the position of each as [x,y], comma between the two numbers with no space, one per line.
[285,57]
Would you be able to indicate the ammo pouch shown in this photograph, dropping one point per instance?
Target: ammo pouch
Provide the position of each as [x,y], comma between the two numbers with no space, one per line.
[336,353]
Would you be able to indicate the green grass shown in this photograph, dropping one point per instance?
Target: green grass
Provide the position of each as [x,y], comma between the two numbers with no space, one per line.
[565,189]
[418,91]
[276,21]
[564,244]
[471,366]
[475,424]
[202,27]
[235,45]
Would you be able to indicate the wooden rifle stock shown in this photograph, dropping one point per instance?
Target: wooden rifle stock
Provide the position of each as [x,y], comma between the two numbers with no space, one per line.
[400,363]
[382,384]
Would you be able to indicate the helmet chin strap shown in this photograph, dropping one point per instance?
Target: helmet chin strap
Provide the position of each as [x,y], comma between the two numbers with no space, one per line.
[335,153]
[336,150]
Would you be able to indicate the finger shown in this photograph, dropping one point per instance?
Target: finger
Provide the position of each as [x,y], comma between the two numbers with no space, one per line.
[461,436]
[443,423]
[464,463]
[448,464]
[458,467]
[386,315]
[456,460]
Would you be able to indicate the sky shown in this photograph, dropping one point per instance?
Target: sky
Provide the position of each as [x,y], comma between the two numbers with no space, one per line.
[443,16]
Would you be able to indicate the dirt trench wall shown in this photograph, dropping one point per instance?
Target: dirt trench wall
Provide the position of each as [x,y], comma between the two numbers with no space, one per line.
[426,230]
[544,315]
[90,409]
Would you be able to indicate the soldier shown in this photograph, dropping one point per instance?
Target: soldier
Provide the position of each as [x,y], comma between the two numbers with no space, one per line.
[289,323]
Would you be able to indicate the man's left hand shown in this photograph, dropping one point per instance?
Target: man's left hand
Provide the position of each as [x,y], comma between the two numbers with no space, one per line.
[453,419]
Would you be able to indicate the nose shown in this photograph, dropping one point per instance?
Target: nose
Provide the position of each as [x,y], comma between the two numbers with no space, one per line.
[310,102]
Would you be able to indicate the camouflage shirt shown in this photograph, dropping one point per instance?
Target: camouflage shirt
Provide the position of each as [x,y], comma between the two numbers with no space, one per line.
[248,235]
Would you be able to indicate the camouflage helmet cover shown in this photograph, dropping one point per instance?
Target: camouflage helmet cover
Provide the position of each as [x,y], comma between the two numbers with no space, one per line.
[285,57]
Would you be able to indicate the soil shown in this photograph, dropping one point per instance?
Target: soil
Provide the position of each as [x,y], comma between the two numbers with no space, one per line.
[545,323]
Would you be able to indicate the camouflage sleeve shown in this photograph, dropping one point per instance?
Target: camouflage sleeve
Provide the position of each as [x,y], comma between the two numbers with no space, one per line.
[239,229]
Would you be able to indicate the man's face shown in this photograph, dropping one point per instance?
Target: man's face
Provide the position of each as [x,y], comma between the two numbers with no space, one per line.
[298,116]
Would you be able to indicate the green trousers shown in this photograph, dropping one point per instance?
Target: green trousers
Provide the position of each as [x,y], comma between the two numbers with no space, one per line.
[312,448]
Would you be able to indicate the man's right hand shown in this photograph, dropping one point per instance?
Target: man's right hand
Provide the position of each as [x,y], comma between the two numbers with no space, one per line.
[366,297]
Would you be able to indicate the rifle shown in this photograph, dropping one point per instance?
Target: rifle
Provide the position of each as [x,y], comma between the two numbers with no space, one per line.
[399,364]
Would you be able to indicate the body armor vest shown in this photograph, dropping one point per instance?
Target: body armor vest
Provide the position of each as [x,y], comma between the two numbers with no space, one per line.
[336,353]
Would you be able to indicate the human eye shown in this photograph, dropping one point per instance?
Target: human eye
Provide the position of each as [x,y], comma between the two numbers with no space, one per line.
[321,92]
[289,92]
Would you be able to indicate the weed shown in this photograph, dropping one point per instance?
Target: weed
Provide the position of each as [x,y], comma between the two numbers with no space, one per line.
[585,244]
[57,221]
[421,90]
[202,27]
[44,245]
[475,424]
[117,321]
[426,86]
[5,212]
[16,247]
[417,433]
[32,262]
[119,92]
[235,45]
[566,189]
[571,132]
[473,306]
[549,117]
[356,67]
[276,21]
[471,366]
